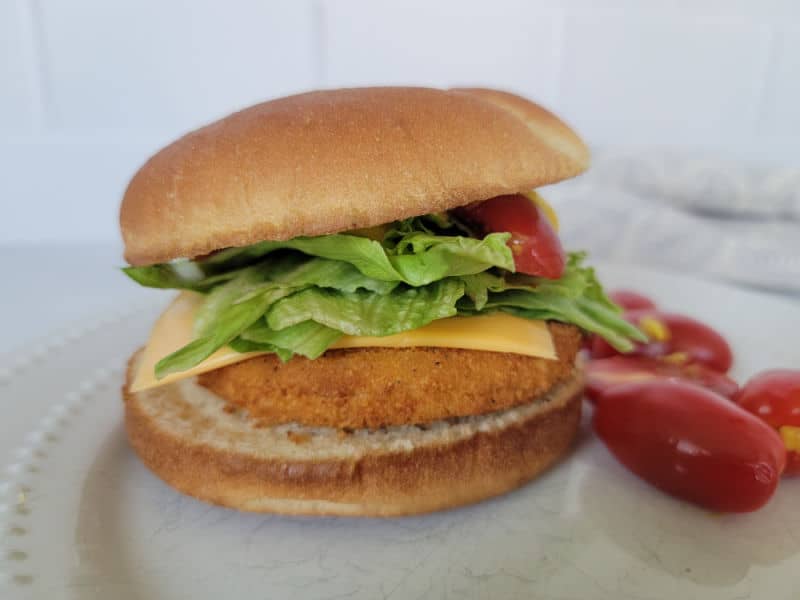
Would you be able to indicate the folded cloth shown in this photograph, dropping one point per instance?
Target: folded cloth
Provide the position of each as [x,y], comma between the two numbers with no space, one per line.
[624,225]
[704,185]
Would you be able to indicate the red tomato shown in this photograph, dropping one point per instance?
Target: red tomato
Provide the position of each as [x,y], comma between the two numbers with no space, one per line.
[535,245]
[692,443]
[775,397]
[792,463]
[630,300]
[698,341]
[607,373]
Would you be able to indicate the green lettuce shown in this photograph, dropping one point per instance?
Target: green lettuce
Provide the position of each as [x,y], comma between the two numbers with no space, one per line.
[297,297]
[366,313]
[577,298]
[307,338]
[231,320]
[415,258]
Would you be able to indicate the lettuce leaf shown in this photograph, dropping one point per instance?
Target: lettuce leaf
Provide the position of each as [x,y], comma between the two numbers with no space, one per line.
[421,258]
[299,270]
[307,338]
[261,310]
[227,324]
[299,296]
[177,275]
[365,313]
[417,258]
[576,298]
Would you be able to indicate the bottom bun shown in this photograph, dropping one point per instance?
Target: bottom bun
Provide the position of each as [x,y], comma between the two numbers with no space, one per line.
[185,435]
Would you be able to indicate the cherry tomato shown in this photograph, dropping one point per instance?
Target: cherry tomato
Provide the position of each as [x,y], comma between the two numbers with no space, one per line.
[692,443]
[630,300]
[775,397]
[671,333]
[535,245]
[606,373]
[792,463]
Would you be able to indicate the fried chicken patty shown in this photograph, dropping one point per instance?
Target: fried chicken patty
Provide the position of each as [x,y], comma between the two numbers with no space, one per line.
[377,387]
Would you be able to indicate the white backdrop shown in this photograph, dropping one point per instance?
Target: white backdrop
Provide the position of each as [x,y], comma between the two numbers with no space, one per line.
[88,89]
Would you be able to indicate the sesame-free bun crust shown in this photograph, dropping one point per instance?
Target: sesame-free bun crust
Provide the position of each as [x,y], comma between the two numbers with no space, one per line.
[183,434]
[329,161]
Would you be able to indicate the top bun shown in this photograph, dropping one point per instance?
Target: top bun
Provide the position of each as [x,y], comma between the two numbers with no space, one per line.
[329,161]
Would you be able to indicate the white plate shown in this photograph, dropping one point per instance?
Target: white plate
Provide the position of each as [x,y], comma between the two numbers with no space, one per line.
[81,517]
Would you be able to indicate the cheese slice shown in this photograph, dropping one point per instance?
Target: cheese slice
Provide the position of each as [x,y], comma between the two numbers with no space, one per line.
[498,332]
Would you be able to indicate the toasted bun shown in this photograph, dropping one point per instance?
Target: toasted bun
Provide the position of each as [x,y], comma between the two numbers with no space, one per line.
[334,160]
[183,433]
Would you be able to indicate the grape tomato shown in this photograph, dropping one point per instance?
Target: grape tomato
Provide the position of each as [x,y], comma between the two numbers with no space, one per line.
[672,333]
[774,396]
[692,443]
[606,373]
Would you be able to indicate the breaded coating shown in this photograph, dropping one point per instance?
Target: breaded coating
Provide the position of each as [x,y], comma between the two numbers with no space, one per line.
[377,387]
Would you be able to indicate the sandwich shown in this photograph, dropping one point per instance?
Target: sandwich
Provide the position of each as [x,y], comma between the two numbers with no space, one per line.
[375,315]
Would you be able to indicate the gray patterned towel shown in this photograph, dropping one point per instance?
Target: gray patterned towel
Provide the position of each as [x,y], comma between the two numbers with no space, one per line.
[733,222]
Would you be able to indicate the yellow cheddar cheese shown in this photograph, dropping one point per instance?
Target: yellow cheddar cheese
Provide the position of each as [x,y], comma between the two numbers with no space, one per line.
[498,332]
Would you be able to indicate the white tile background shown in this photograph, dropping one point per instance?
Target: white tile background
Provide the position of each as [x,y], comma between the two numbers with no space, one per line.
[89,88]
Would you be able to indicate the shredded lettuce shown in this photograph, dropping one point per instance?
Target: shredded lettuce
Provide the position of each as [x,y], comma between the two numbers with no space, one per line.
[306,338]
[365,313]
[297,297]
[577,298]
[416,258]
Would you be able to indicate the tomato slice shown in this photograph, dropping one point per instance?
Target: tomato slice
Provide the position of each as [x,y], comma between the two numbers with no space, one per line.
[774,396]
[534,243]
[673,334]
[606,373]
[630,300]
[692,443]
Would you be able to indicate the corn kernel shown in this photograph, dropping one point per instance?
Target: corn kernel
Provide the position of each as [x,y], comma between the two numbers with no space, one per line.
[654,329]
[676,358]
[791,437]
